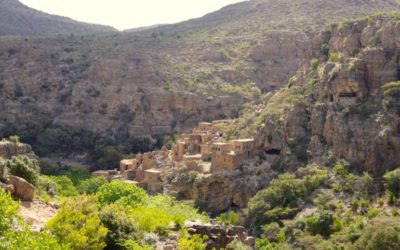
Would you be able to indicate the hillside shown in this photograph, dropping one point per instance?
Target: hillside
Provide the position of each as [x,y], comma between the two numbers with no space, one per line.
[57,91]
[17,19]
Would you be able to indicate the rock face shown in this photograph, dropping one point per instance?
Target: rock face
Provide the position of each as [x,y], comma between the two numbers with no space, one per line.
[221,191]
[23,189]
[10,149]
[347,106]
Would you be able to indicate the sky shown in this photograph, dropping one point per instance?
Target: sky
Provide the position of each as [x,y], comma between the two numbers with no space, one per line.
[126,14]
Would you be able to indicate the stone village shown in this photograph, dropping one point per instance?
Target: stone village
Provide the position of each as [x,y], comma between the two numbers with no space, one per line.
[201,151]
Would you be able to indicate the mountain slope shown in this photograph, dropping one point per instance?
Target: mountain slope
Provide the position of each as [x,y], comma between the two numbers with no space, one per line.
[18,19]
[165,79]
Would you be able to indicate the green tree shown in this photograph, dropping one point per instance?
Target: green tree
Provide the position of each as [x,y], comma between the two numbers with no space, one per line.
[120,227]
[121,192]
[78,225]
[392,183]
[64,185]
[91,185]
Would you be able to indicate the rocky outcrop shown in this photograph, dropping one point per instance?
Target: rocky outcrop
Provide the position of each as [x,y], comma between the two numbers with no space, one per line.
[9,149]
[220,236]
[221,191]
[343,106]
[23,189]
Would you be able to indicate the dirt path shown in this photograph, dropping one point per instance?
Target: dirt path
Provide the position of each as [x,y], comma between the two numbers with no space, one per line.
[37,213]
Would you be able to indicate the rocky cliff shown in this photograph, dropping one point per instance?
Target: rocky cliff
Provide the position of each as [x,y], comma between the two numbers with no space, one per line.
[344,103]
[10,149]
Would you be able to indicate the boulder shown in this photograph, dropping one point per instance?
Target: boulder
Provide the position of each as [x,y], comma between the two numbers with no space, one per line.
[23,189]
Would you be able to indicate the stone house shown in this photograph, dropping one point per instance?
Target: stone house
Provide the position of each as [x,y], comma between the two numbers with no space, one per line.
[230,156]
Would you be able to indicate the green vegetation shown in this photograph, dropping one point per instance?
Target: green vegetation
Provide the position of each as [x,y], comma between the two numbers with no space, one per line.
[21,166]
[15,234]
[117,191]
[392,184]
[280,200]
[230,218]
[77,224]
[314,63]
[334,56]
[196,242]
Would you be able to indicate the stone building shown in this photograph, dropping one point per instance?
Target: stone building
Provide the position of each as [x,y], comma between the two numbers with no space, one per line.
[230,156]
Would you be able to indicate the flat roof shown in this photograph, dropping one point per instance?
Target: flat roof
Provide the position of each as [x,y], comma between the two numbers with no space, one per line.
[244,140]
[205,123]
[154,171]
[127,161]
[220,143]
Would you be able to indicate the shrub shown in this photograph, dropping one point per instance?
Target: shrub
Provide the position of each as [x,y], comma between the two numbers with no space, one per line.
[64,185]
[280,200]
[271,231]
[26,239]
[314,63]
[14,139]
[392,183]
[77,174]
[334,56]
[230,218]
[120,228]
[153,220]
[133,245]
[78,225]
[237,245]
[8,211]
[179,211]
[121,192]
[382,237]
[352,67]
[91,185]
[322,223]
[195,242]
[24,167]
[340,168]
[47,185]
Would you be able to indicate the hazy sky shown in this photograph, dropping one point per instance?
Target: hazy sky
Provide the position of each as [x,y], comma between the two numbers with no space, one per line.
[125,14]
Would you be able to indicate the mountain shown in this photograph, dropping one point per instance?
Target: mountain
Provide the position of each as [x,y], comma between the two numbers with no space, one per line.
[55,91]
[17,19]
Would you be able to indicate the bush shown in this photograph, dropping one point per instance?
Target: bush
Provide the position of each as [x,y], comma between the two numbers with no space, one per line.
[230,218]
[91,185]
[322,224]
[24,167]
[179,211]
[237,245]
[392,183]
[8,211]
[314,63]
[26,239]
[379,238]
[195,242]
[280,200]
[78,225]
[120,228]
[334,56]
[14,139]
[117,191]
[64,186]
